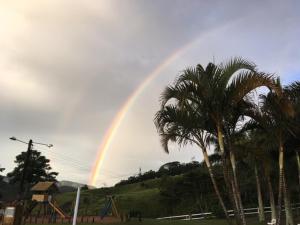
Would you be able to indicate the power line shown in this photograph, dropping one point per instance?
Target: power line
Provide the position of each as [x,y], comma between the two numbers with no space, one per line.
[78,165]
[75,163]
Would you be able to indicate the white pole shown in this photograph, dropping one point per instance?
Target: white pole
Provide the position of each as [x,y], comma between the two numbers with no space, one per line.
[76,206]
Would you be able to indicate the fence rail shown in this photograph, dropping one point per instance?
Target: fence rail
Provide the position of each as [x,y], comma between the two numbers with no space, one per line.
[199,216]
[196,216]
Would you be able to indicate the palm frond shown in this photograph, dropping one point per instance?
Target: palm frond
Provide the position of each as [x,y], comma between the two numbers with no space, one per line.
[231,67]
[247,81]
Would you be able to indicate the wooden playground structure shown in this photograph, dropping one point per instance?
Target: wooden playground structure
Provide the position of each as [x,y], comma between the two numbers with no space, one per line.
[43,197]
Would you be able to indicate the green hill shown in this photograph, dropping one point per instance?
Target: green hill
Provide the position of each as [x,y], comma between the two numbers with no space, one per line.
[143,196]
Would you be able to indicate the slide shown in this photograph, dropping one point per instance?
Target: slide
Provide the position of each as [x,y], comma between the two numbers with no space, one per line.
[58,210]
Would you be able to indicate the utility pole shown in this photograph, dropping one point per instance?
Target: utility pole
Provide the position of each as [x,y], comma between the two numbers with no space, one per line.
[22,191]
[24,175]
[20,206]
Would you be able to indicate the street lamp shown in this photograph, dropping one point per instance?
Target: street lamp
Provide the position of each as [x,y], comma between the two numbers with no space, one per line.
[37,143]
[18,218]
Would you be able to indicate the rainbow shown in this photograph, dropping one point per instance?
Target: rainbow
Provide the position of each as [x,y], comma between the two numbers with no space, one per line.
[112,130]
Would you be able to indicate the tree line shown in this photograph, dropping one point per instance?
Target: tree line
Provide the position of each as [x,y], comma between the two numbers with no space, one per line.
[168,169]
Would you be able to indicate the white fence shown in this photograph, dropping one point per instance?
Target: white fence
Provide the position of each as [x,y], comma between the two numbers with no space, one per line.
[199,216]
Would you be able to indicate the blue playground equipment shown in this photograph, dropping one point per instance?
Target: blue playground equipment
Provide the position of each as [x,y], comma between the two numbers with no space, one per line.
[109,208]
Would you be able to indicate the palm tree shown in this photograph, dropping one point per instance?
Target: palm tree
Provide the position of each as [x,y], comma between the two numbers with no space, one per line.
[181,124]
[217,94]
[277,112]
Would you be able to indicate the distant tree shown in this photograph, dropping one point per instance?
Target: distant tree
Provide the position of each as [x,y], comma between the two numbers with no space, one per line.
[85,187]
[1,178]
[168,169]
[170,165]
[39,169]
[1,170]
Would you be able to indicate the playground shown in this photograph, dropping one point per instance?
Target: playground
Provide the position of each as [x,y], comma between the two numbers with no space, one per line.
[252,221]
[42,208]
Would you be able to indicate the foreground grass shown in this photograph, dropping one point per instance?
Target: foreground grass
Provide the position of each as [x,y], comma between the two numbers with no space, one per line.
[173,222]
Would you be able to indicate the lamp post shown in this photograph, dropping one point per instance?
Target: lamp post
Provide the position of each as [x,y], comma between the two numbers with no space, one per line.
[20,207]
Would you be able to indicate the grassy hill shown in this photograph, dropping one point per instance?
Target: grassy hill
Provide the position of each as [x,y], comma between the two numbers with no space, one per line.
[143,196]
[139,196]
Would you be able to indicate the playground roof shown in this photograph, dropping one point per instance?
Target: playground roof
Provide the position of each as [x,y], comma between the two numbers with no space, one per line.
[43,186]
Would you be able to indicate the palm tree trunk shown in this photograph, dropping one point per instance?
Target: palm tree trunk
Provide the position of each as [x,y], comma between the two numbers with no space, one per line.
[261,212]
[227,178]
[287,204]
[280,187]
[271,197]
[235,197]
[298,164]
[212,177]
[236,187]
[232,194]
[220,140]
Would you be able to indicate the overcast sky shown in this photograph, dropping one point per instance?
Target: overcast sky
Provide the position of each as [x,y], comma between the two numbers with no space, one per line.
[67,66]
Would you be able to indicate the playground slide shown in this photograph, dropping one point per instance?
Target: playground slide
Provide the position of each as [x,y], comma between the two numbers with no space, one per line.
[58,210]
[114,209]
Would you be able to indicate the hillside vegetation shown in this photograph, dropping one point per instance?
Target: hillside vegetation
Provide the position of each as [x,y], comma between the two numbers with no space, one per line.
[142,196]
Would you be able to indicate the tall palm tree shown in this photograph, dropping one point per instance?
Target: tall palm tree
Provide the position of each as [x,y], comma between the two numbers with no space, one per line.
[181,124]
[217,93]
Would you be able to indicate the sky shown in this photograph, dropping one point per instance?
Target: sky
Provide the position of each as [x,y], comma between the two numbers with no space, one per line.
[68,66]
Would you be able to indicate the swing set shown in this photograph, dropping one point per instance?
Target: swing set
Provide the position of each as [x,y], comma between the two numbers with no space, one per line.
[109,208]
